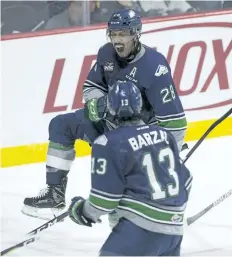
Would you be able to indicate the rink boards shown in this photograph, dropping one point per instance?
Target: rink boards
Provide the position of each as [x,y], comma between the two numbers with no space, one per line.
[43,74]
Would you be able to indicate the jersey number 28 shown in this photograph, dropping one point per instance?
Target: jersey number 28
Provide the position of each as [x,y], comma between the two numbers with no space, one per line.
[158,191]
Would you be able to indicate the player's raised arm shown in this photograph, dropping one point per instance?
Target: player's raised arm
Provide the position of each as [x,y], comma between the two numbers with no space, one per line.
[163,97]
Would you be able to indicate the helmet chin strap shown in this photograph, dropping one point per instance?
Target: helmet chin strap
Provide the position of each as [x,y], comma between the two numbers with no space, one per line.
[136,50]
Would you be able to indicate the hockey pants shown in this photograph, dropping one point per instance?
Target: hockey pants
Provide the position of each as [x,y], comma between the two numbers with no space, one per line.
[127,239]
[64,129]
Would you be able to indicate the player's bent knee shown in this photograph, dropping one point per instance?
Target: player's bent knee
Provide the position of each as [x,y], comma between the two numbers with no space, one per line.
[61,127]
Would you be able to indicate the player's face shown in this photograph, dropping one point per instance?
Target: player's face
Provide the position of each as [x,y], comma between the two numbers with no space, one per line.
[122,41]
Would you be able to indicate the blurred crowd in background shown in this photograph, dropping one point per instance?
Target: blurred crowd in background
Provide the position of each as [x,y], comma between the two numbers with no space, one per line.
[30,16]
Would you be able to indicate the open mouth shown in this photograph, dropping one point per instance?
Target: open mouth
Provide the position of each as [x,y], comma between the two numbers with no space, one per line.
[119,47]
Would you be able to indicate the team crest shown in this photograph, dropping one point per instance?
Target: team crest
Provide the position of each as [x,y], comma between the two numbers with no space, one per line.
[109,66]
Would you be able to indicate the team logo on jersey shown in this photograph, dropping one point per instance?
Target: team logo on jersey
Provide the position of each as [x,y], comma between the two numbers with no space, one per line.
[177,218]
[161,70]
[109,66]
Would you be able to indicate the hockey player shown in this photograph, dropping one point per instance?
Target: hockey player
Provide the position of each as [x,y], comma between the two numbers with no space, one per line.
[136,171]
[125,58]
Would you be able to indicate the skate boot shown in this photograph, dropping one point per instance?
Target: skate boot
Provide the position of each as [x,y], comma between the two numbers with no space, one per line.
[49,203]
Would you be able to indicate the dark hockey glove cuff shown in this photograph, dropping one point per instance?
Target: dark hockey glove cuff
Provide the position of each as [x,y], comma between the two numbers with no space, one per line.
[95,109]
[76,212]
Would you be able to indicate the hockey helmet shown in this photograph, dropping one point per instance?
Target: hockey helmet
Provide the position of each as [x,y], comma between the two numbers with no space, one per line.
[124,101]
[124,30]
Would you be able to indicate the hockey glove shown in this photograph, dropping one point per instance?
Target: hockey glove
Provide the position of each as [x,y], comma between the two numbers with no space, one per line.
[76,212]
[96,108]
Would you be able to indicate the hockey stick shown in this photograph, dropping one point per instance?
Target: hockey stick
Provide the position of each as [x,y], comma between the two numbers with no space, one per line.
[215,124]
[195,217]
[34,233]
[48,224]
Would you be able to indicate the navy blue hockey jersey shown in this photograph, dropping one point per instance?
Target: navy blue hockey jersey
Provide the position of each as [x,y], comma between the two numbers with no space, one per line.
[151,73]
[136,170]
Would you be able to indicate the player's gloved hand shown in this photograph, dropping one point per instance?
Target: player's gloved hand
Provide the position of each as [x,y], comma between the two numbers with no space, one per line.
[96,108]
[76,212]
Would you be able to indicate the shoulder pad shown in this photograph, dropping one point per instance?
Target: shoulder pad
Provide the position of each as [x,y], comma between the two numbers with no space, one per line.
[107,45]
[154,54]
[101,140]
[106,52]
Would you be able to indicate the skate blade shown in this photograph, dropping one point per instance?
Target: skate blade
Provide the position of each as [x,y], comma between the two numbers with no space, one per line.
[44,214]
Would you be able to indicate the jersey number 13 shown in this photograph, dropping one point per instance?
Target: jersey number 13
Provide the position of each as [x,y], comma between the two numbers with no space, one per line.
[171,189]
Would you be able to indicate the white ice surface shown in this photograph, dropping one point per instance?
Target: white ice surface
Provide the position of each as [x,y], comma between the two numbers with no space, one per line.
[211,166]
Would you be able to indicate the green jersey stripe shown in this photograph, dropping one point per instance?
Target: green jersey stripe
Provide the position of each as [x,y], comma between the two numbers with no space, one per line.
[174,124]
[175,218]
[103,202]
[156,208]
